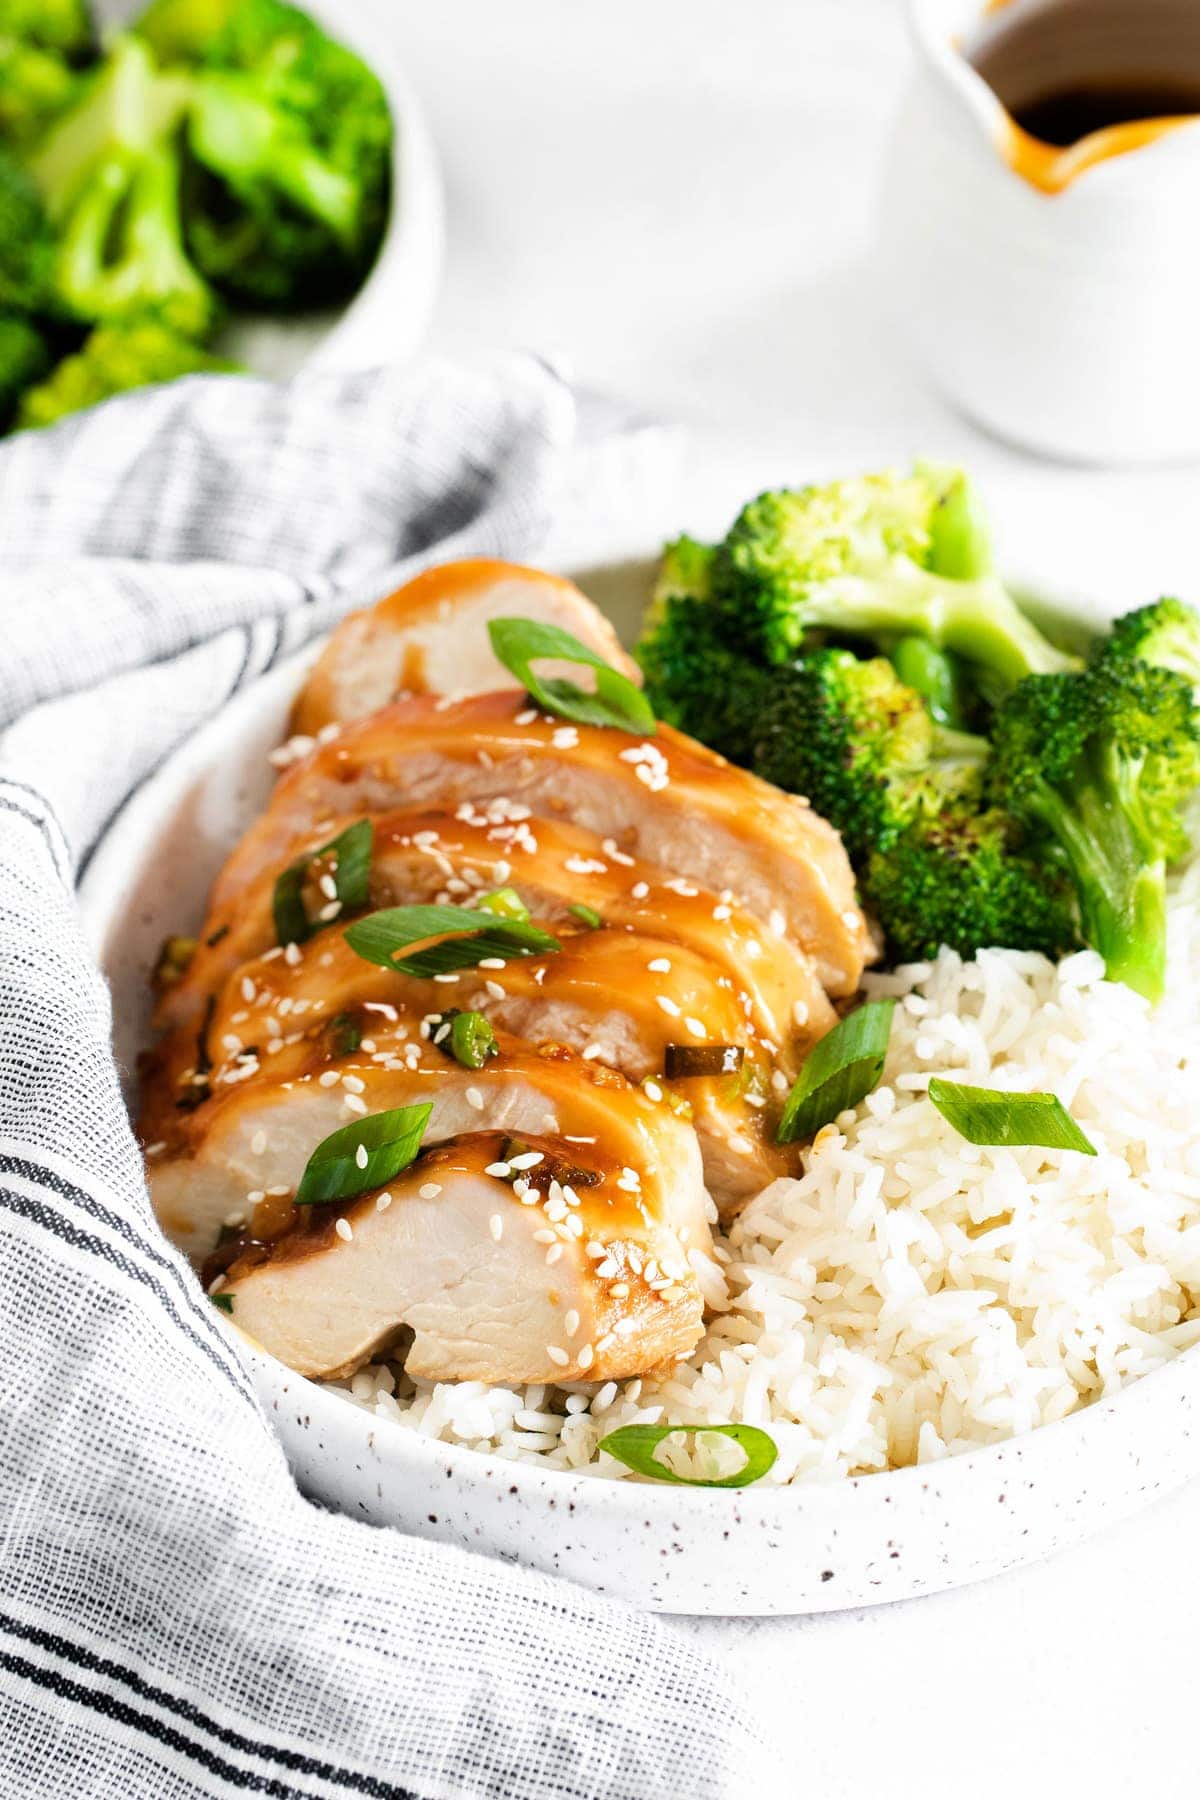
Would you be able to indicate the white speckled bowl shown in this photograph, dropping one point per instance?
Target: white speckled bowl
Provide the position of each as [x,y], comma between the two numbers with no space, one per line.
[674,1549]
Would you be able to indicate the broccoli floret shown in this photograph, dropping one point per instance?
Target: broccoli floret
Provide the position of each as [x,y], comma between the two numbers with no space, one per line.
[880,557]
[35,86]
[27,246]
[849,735]
[1097,766]
[24,359]
[955,878]
[109,175]
[64,26]
[113,359]
[290,150]
[1166,633]
[694,680]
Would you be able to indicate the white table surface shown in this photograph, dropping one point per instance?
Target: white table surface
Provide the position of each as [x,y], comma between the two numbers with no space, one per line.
[677,195]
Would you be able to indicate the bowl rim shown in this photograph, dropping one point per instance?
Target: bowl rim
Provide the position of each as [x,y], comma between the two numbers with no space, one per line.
[134,828]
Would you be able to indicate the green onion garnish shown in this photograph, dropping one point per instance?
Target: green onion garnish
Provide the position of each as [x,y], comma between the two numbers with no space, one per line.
[634,1445]
[224,1302]
[617,701]
[989,1116]
[351,877]
[363,1155]
[468,938]
[345,1035]
[506,903]
[466,1036]
[588,914]
[839,1071]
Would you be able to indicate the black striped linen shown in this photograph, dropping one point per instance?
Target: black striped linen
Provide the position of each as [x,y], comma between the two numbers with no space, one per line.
[175,1619]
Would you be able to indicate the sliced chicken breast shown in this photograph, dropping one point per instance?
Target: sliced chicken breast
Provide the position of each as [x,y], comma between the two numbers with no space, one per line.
[423,856]
[652,1011]
[253,1131]
[666,799]
[500,1276]
[430,637]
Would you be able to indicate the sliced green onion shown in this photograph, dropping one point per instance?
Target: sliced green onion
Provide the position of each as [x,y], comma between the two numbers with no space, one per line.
[506,903]
[617,701]
[989,1116]
[588,914]
[222,1301]
[345,1034]
[467,938]
[683,1060]
[839,1071]
[337,1171]
[634,1445]
[351,879]
[466,1036]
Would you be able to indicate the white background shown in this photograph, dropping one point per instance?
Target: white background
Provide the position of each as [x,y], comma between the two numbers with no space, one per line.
[678,195]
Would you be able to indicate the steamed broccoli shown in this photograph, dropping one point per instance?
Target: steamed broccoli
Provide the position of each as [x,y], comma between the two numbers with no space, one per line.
[24,358]
[956,878]
[108,172]
[1097,765]
[26,245]
[851,737]
[880,557]
[114,359]
[693,679]
[290,149]
[63,26]
[1166,633]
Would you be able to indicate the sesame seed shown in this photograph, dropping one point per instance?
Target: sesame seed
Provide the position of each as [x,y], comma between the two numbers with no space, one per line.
[382,1202]
[667,1005]
[496,1227]
[741,1146]
[557,1356]
[344,1230]
[695,1027]
[501,872]
[778,923]
[495,990]
[553,1253]
[543,1235]
[652,1090]
[360,1156]
[475,1098]
[329,912]
[381,1006]
[606,1395]
[586,1358]
[722,912]
[282,1188]
[353,1103]
[800,1013]
[430,1190]
[596,1250]
[640,889]
[660,966]
[571,1323]
[446,976]
[329,1077]
[156,1149]
[258,1143]
[353,1083]
[619,1290]
[248,989]
[527,716]
[565,737]
[255,1195]
[501,1170]
[291,954]
[232,1220]
[528,1159]
[606,1269]
[492,962]
[328,887]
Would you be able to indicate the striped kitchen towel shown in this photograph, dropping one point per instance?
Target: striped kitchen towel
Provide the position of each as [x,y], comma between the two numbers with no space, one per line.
[175,1619]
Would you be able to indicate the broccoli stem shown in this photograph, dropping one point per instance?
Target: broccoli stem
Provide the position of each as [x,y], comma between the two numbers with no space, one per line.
[1122,896]
[976,619]
[960,544]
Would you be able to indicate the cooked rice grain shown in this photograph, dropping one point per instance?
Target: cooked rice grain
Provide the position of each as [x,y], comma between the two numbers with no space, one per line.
[913,1295]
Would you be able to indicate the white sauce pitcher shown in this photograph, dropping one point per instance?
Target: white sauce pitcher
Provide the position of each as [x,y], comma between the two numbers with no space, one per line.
[1053,294]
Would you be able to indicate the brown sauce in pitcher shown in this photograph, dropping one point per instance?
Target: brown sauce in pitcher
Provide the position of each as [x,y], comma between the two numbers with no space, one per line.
[1065,115]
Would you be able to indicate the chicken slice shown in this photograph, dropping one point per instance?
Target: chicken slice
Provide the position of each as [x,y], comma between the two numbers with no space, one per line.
[420,857]
[253,1132]
[500,1277]
[666,799]
[430,637]
[614,996]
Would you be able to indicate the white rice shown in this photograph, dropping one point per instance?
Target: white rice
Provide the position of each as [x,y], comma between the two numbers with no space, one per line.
[912,1295]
